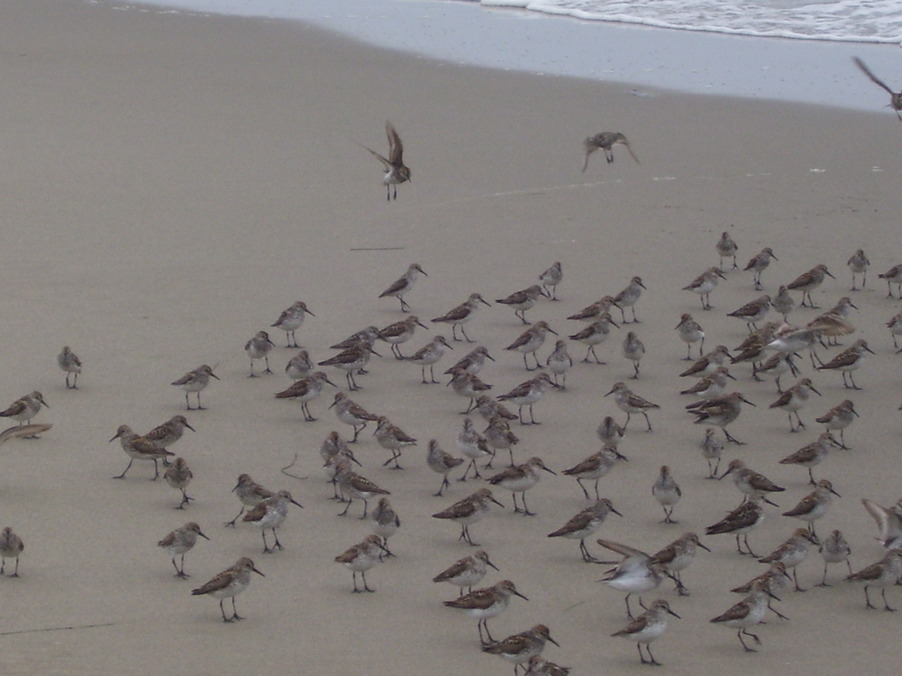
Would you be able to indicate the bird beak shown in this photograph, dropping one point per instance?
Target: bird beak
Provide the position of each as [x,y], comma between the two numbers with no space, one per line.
[555,642]
[815,391]
[190,428]
[258,572]
[419,323]
[485,302]
[751,404]
[703,546]
[730,376]
[835,493]
[724,474]
[376,353]
[489,563]
[309,313]
[115,437]
[551,330]
[609,392]
[550,471]
[332,384]
[516,593]
[202,535]
[615,511]
[496,502]
[827,272]
[213,375]
[295,502]
[673,613]
[867,349]
[620,455]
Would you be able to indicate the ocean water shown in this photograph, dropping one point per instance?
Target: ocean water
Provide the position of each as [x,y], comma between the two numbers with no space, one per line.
[788,50]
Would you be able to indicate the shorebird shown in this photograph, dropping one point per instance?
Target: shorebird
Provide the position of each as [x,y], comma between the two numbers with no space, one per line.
[847,361]
[399,288]
[195,381]
[594,467]
[385,522]
[25,408]
[667,492]
[392,438]
[727,248]
[752,312]
[720,412]
[468,511]
[178,476]
[594,334]
[528,393]
[750,483]
[429,355]
[808,281]
[179,542]
[712,449]
[636,573]
[649,626]
[585,523]
[633,350]
[895,328]
[485,604]
[628,298]
[793,399]
[441,462]
[488,408]
[367,337]
[814,505]
[530,341]
[271,513]
[467,571]
[70,364]
[306,390]
[473,446]
[594,310]
[792,552]
[519,479]
[336,455]
[858,263]
[834,549]
[290,321]
[747,613]
[783,302]
[462,314]
[250,493]
[677,556]
[812,454]
[400,332]
[499,436]
[606,140]
[395,170]
[895,98]
[351,413]
[169,432]
[704,284]
[361,557]
[792,340]
[351,360]
[774,367]
[229,583]
[708,363]
[746,517]
[559,362]
[773,581]
[551,278]
[259,347]
[712,386]
[355,485]
[833,324]
[690,331]
[300,365]
[893,276]
[11,546]
[523,300]
[139,448]
[472,362]
[758,264]
[610,433]
[889,521]
[631,403]
[883,574]
[522,647]
[539,666]
[839,418]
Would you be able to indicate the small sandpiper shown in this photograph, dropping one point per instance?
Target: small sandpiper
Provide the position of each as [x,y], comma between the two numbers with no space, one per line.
[667,492]
[814,505]
[400,332]
[834,549]
[794,399]
[11,547]
[895,328]
[633,350]
[25,408]
[677,556]
[712,449]
[259,347]
[707,363]
[70,364]
[355,485]
[400,287]
[361,557]
[178,476]
[595,467]
[773,581]
[551,278]
[467,571]
[585,523]
[228,584]
[395,170]
[351,360]
[889,521]
[792,552]
[774,367]
[720,412]
[462,314]
[839,418]
[270,514]
[808,282]
[783,302]
[300,365]
[468,511]
[499,436]
[648,627]
[858,263]
[594,334]
[195,381]
[847,361]
[179,542]
[758,263]
[351,413]
[429,355]
[747,613]
[137,447]
[485,604]
[473,362]
[893,276]
[746,517]
[606,140]
[527,394]
[441,462]
[169,432]
[628,298]
[690,331]
[610,433]
[812,454]
[750,483]
[473,446]
[519,479]
[636,573]
[306,390]
[523,300]
[726,248]
[522,647]
[291,320]
[704,284]
[631,403]
[530,341]
[895,98]
[885,573]
[595,310]
[752,312]
[392,438]
[711,387]
[250,493]
[539,666]
[559,362]
[385,522]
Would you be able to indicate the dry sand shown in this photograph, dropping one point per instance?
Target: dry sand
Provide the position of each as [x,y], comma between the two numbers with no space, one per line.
[172,182]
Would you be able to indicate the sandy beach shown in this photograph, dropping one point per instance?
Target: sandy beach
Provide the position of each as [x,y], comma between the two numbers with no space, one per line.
[173,182]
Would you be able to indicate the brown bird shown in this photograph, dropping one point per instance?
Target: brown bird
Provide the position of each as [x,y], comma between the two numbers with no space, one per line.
[395,170]
[895,98]
[606,140]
